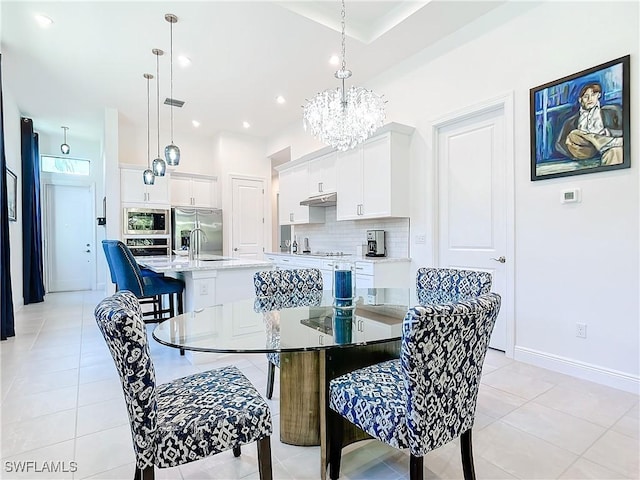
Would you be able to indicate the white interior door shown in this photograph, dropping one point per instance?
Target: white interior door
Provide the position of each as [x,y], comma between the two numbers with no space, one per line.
[69,232]
[472,202]
[247,218]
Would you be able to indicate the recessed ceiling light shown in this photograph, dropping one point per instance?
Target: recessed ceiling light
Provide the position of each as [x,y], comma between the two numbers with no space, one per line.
[184,61]
[334,60]
[43,20]
[280,99]
[246,124]
[195,123]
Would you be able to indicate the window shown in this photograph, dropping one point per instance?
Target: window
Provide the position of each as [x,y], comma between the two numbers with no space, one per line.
[65,165]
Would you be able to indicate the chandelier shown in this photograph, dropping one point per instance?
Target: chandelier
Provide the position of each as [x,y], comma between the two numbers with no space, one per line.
[344,118]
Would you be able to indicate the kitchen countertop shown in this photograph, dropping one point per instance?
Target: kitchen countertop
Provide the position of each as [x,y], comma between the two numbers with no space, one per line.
[204,262]
[346,258]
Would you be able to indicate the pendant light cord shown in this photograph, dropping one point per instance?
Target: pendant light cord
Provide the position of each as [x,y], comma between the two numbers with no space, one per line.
[148,122]
[158,98]
[171,78]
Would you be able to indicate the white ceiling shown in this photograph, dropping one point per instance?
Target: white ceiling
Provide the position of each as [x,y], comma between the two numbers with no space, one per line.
[244,54]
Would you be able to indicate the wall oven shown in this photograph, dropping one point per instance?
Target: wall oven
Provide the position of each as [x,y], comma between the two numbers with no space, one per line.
[146,221]
[148,247]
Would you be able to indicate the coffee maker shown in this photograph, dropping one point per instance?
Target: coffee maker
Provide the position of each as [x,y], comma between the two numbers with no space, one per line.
[375,243]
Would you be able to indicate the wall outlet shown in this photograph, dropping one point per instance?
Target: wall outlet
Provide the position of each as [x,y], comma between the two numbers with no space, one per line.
[421,238]
[581,330]
[204,289]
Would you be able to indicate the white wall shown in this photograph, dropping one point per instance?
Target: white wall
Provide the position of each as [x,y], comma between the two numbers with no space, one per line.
[573,263]
[14,163]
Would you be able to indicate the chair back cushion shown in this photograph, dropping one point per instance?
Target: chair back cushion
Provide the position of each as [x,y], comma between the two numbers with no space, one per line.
[443,349]
[287,282]
[119,318]
[464,283]
[125,268]
[107,254]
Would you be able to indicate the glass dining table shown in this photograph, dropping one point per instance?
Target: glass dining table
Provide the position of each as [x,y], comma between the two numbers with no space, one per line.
[316,337]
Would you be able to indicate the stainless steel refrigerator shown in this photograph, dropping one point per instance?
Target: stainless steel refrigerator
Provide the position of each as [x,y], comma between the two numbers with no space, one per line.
[185,219]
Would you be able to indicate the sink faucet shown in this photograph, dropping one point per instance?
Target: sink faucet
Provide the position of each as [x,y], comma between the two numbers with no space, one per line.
[194,245]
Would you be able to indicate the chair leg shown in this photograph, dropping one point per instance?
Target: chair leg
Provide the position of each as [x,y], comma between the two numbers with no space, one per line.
[172,312]
[271,373]
[236,451]
[466,451]
[416,465]
[264,458]
[180,305]
[147,474]
[335,427]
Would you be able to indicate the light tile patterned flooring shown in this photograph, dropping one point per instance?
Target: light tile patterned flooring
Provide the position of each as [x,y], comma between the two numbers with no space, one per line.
[62,402]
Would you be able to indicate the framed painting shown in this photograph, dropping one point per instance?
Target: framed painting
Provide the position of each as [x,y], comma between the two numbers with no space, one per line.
[580,123]
[12,195]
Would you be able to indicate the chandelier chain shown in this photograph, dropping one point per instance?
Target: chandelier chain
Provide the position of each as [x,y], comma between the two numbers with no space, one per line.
[344,41]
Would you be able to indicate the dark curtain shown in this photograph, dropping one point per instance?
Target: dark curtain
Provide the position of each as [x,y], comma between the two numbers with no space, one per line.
[6,296]
[32,265]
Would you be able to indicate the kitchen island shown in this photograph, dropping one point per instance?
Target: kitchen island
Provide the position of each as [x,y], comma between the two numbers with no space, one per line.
[209,279]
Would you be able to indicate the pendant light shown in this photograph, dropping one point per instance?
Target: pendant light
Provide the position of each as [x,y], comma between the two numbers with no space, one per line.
[64,148]
[171,151]
[159,166]
[344,118]
[148,176]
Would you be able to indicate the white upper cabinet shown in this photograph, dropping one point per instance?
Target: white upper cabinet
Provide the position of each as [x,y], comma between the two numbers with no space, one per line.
[194,191]
[322,174]
[373,178]
[293,189]
[134,191]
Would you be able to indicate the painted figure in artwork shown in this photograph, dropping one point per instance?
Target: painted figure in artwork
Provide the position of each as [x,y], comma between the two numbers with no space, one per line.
[595,130]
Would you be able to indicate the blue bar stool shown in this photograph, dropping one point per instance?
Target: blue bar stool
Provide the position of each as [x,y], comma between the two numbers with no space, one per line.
[148,286]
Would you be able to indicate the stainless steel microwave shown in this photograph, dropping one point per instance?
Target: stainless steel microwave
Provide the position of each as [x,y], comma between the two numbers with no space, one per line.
[146,221]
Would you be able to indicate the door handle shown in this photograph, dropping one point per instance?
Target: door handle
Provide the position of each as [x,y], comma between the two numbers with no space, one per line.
[500,259]
[235,249]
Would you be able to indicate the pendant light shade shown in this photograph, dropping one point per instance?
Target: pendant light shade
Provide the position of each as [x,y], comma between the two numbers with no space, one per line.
[64,148]
[147,176]
[171,151]
[159,166]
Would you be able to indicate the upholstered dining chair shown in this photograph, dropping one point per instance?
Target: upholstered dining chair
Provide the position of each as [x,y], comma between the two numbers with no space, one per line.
[189,418]
[427,397]
[278,283]
[457,282]
[149,288]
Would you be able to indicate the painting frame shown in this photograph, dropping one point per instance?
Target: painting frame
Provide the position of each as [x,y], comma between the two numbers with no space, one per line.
[567,137]
[12,195]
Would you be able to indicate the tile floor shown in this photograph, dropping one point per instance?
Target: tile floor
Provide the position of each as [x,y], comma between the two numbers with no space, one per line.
[62,402]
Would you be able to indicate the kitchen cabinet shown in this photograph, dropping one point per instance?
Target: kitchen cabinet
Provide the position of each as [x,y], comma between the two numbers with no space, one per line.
[322,174]
[194,191]
[373,178]
[134,191]
[293,189]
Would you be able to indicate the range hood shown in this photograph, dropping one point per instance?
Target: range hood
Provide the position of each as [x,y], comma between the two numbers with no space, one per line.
[324,200]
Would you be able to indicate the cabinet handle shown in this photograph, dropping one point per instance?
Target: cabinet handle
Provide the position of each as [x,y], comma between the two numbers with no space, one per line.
[320,340]
[359,268]
[291,217]
[320,187]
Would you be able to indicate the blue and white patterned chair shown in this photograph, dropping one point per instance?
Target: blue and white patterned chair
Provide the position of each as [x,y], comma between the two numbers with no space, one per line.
[434,284]
[284,283]
[189,418]
[426,398]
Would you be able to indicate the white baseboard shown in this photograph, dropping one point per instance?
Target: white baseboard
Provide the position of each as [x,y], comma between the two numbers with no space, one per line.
[594,373]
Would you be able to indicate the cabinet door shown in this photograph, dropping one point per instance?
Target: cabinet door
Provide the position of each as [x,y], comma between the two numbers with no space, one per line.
[287,193]
[300,178]
[376,178]
[132,187]
[349,184]
[322,174]
[203,192]
[158,193]
[181,191]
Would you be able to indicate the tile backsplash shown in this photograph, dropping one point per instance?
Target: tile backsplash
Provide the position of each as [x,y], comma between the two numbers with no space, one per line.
[345,236]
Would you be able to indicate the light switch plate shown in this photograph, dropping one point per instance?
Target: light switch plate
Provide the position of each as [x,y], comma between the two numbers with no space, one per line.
[572,195]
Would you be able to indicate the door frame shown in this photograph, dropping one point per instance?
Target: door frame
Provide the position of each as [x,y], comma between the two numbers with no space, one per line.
[46,227]
[504,102]
[266,239]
